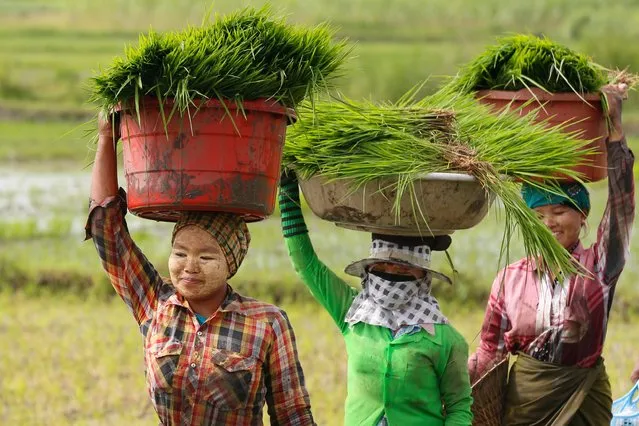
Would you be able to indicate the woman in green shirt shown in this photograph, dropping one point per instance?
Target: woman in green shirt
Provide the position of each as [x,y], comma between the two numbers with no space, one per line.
[406,364]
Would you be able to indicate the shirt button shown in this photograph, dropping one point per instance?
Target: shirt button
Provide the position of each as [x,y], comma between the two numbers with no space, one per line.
[192,365]
[199,333]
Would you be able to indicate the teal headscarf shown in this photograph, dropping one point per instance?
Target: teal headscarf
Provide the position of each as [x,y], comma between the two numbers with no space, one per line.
[577,196]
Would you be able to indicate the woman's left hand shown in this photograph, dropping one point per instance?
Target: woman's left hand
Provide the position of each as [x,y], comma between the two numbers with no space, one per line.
[615,94]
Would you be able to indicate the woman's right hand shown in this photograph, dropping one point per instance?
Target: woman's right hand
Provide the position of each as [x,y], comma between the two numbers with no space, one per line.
[288,176]
[108,125]
[289,186]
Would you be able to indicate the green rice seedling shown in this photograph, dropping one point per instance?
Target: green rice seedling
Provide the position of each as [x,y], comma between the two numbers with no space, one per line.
[364,141]
[243,56]
[523,61]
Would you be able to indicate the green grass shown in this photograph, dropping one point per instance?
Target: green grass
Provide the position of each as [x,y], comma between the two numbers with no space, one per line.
[359,17]
[247,55]
[523,61]
[79,362]
[43,249]
[90,371]
[54,47]
[24,141]
[377,69]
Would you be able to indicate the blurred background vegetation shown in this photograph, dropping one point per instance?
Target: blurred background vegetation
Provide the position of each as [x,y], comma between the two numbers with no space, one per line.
[71,352]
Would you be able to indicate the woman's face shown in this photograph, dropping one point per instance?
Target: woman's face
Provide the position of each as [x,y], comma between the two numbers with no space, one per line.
[564,222]
[197,264]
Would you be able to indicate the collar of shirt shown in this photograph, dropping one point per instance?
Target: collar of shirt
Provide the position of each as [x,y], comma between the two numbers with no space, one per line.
[429,328]
[231,303]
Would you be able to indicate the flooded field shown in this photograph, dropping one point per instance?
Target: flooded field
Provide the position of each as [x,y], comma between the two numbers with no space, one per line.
[47,201]
[42,214]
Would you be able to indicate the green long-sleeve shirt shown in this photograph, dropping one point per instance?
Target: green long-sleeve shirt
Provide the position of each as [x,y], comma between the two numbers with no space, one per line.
[407,378]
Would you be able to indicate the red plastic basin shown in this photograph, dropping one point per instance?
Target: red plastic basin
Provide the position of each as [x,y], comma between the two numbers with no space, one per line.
[585,115]
[209,160]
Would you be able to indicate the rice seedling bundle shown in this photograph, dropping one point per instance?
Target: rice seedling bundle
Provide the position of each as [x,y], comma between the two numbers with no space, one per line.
[364,141]
[523,61]
[526,61]
[246,55]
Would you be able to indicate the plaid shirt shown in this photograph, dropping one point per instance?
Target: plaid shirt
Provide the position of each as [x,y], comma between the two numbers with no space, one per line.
[563,323]
[218,373]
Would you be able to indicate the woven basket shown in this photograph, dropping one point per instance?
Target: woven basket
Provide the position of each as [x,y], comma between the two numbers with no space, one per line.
[488,395]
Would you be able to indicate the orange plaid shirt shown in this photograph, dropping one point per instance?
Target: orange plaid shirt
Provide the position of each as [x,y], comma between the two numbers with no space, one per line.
[219,373]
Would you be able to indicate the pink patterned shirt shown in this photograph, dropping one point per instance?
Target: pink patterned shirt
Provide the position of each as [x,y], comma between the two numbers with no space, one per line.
[565,323]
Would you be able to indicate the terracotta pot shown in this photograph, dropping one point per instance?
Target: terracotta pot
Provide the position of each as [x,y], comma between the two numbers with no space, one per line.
[218,159]
[585,114]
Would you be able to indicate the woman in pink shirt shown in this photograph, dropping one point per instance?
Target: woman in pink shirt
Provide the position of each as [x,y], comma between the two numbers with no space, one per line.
[557,325]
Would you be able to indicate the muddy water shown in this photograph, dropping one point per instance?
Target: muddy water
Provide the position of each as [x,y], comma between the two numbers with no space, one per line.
[50,198]
[28,194]
[45,197]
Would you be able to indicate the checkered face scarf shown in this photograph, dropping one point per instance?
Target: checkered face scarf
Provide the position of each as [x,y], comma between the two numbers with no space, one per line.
[393,304]
[229,230]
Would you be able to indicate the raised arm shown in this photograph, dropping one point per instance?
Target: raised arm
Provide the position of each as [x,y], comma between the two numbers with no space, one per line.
[613,234]
[104,176]
[335,295]
[492,348]
[133,277]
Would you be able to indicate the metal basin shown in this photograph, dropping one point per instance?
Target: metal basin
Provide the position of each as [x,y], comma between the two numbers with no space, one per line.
[445,202]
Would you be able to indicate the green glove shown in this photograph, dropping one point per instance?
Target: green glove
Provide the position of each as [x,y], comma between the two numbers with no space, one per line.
[290,206]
